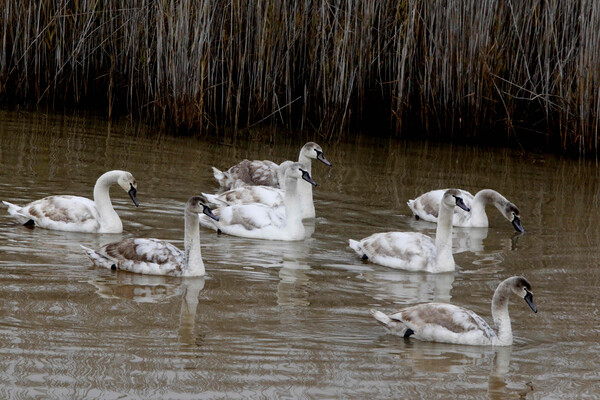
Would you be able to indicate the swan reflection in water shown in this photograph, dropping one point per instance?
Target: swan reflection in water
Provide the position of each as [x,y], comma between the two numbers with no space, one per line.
[455,362]
[410,287]
[156,289]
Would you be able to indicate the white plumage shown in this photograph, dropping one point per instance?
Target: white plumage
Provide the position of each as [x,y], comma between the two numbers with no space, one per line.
[414,251]
[267,195]
[426,207]
[259,221]
[79,214]
[158,257]
[267,173]
[447,323]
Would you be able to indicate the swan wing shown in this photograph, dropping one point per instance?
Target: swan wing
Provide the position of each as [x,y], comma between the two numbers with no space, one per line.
[252,173]
[405,250]
[145,256]
[267,195]
[255,221]
[447,323]
[65,213]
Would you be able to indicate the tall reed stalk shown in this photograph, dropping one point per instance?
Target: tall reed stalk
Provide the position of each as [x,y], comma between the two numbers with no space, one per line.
[476,69]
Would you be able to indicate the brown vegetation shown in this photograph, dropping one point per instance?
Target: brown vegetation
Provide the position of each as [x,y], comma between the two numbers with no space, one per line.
[458,69]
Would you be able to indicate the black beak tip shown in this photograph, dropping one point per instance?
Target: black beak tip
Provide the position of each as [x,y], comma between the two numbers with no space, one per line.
[133,195]
[516,222]
[529,300]
[207,211]
[321,157]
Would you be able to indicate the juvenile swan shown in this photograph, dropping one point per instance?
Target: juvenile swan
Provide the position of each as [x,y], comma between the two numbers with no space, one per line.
[439,322]
[426,205]
[79,214]
[157,257]
[411,250]
[259,221]
[267,173]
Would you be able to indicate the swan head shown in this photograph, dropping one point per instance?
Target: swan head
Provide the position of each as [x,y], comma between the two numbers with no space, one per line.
[452,198]
[199,204]
[522,288]
[297,171]
[314,151]
[511,213]
[128,183]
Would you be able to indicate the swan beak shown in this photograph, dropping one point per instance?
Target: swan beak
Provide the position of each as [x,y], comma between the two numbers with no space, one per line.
[529,299]
[461,203]
[517,224]
[307,178]
[206,210]
[321,157]
[132,193]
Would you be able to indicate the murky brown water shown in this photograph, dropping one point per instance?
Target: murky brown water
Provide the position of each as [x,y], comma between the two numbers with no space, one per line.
[289,320]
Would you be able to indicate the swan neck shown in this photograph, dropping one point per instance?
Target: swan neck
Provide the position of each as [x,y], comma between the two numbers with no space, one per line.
[194,266]
[443,239]
[109,219]
[500,314]
[478,215]
[302,159]
[305,192]
[293,208]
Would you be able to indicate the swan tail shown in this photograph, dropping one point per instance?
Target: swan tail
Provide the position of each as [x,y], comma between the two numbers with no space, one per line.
[15,211]
[220,176]
[99,259]
[214,200]
[381,318]
[411,205]
[395,327]
[357,247]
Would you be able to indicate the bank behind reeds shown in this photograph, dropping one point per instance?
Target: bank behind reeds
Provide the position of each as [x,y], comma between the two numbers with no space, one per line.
[528,71]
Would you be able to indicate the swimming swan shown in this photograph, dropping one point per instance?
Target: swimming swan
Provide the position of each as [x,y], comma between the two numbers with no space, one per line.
[158,257]
[426,205]
[79,214]
[414,251]
[267,173]
[439,322]
[259,221]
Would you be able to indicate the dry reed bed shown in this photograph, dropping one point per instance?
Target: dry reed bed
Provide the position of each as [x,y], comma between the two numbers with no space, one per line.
[455,68]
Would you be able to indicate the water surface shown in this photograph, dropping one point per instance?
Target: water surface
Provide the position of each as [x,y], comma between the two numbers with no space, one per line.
[289,320]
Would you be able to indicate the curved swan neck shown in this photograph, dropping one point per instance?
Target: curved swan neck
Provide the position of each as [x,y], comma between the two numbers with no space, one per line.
[480,200]
[109,218]
[443,239]
[193,254]
[500,314]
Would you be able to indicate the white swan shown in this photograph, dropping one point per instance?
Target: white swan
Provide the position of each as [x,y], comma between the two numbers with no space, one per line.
[267,173]
[259,221]
[157,257]
[411,250]
[79,214]
[439,322]
[426,207]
